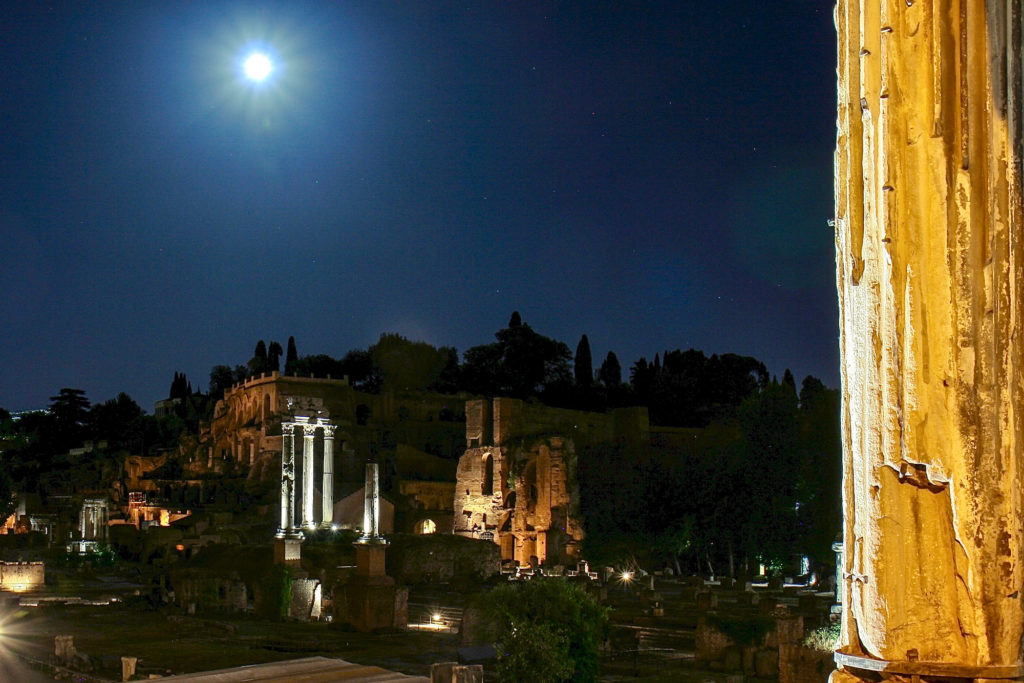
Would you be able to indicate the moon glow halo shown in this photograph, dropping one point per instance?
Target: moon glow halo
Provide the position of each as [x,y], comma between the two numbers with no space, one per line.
[258,66]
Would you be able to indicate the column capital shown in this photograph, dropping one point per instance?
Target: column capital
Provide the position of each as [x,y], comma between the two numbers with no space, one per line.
[287,427]
[308,429]
[329,431]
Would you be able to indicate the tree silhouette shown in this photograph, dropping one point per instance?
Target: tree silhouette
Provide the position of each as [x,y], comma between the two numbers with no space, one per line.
[274,357]
[259,363]
[291,357]
[70,411]
[583,364]
[520,364]
[610,373]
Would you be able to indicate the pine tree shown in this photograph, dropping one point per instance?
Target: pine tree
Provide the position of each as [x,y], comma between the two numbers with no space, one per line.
[583,364]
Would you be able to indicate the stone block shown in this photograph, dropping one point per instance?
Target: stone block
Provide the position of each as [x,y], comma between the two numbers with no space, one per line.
[789,630]
[442,672]
[767,605]
[766,663]
[128,667]
[370,559]
[64,649]
[472,673]
[707,600]
[733,660]
[749,653]
[710,643]
[288,551]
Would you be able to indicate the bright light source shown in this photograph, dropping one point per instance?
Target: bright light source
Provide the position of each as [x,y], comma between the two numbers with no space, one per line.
[627,576]
[436,617]
[258,66]
[334,527]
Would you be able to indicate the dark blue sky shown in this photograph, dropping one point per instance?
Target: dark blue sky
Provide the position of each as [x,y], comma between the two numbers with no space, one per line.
[656,175]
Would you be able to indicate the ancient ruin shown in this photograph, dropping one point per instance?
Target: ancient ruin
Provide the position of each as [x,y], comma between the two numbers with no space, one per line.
[370,600]
[309,416]
[516,481]
[929,258]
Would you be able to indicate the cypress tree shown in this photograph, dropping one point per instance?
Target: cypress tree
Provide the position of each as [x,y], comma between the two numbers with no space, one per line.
[583,364]
[291,357]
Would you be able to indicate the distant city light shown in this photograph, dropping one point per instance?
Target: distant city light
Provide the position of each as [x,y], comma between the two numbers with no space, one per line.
[258,66]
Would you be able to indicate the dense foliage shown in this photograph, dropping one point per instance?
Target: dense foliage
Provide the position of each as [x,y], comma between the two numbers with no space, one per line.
[761,485]
[549,630]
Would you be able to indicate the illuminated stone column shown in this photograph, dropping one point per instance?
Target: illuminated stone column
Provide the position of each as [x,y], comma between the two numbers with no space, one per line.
[327,486]
[929,274]
[371,506]
[308,480]
[287,527]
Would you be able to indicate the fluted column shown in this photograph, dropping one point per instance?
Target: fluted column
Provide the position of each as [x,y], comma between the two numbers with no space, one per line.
[929,246]
[308,479]
[327,487]
[287,526]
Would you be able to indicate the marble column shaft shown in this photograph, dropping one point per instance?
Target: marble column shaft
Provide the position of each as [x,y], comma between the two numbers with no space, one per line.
[930,277]
[327,487]
[308,478]
[371,505]
[287,479]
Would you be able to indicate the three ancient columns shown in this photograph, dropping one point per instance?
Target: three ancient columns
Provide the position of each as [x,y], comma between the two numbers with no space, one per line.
[930,272]
[308,426]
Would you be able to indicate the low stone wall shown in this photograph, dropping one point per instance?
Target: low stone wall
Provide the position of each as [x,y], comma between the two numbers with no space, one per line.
[764,647]
[22,576]
[441,558]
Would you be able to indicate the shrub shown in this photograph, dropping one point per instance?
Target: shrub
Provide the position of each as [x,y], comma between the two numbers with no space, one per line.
[549,631]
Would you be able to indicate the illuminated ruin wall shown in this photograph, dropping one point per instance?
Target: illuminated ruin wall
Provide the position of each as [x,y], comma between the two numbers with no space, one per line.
[929,272]
[19,577]
[516,482]
[246,426]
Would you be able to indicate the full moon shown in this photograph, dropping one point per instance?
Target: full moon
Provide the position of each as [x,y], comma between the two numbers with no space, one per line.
[258,66]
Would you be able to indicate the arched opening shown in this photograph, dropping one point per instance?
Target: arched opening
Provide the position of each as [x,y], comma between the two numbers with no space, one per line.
[266,406]
[488,487]
[362,414]
[426,526]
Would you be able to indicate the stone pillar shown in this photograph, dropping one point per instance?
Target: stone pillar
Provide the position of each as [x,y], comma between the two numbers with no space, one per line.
[287,527]
[252,453]
[308,480]
[837,548]
[327,486]
[371,506]
[930,257]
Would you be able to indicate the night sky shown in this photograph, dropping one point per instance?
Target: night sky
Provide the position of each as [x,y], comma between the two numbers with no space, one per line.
[656,175]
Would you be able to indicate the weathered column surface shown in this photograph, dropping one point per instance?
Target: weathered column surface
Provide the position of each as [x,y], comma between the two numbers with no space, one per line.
[929,244]
[287,480]
[327,486]
[308,478]
[371,507]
